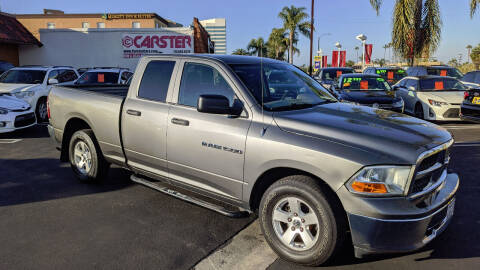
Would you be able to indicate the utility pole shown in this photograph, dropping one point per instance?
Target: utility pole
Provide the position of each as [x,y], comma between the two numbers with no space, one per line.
[310,70]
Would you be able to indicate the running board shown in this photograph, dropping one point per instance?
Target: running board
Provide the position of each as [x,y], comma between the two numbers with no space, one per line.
[166,190]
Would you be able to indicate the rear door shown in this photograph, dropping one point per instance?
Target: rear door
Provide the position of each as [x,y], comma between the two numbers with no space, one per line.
[206,150]
[144,117]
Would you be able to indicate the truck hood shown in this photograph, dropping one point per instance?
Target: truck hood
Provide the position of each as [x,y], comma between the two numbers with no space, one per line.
[394,137]
[14,87]
[455,97]
[13,103]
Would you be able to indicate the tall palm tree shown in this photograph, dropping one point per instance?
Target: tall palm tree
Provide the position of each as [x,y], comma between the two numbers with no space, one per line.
[416,27]
[469,49]
[356,49]
[294,20]
[240,52]
[276,46]
[474,4]
[385,47]
[257,46]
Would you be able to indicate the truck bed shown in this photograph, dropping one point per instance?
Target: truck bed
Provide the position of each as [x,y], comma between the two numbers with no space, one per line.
[108,89]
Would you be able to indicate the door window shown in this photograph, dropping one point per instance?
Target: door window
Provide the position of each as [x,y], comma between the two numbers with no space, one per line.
[66,75]
[412,83]
[155,80]
[200,79]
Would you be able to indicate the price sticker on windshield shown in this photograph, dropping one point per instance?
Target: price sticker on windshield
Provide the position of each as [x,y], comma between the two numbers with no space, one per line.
[364,85]
[339,73]
[390,75]
[443,72]
[101,78]
[439,85]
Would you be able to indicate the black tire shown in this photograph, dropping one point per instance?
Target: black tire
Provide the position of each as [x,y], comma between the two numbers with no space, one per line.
[41,110]
[332,224]
[98,170]
[418,113]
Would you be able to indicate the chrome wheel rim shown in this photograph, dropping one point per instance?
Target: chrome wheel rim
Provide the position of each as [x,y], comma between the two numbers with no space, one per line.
[42,111]
[82,157]
[295,223]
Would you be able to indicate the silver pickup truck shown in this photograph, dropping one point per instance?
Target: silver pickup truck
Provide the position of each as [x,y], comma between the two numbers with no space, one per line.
[240,135]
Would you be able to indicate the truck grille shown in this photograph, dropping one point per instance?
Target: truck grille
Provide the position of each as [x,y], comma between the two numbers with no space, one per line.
[24,120]
[430,169]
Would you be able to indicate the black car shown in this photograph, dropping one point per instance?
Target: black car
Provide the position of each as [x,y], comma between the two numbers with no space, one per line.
[435,70]
[329,76]
[470,109]
[472,79]
[4,66]
[391,74]
[368,90]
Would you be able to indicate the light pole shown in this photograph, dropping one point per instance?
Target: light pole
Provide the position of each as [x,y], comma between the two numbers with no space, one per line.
[362,38]
[339,47]
[310,69]
[319,37]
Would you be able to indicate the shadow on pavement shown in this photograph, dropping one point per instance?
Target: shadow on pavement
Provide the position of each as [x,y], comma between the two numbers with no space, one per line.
[37,131]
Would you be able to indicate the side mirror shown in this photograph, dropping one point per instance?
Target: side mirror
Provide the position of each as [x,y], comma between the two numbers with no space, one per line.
[217,104]
[395,87]
[52,81]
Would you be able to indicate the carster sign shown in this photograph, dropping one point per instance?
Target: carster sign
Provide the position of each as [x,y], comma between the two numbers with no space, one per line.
[136,45]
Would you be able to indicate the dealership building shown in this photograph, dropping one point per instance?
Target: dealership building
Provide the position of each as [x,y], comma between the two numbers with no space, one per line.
[217,28]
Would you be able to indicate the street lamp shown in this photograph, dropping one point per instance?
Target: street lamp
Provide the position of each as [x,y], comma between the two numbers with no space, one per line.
[339,47]
[362,38]
[319,37]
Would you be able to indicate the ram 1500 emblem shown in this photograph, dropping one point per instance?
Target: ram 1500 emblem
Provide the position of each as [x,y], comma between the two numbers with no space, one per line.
[224,148]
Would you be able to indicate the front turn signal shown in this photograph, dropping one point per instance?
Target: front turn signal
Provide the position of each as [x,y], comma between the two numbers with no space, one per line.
[369,187]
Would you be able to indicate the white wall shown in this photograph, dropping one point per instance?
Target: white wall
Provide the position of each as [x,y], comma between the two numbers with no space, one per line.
[85,47]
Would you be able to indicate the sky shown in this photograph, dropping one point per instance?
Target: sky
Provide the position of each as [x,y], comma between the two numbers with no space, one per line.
[247,19]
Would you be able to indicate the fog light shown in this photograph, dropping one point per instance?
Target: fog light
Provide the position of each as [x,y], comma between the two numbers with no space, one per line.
[3,124]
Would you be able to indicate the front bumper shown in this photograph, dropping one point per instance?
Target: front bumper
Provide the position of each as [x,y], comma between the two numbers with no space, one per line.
[390,225]
[17,120]
[442,113]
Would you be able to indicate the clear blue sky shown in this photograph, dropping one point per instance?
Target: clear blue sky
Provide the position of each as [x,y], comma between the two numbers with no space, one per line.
[248,19]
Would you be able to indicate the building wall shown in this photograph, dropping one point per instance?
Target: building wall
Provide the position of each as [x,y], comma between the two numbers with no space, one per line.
[201,37]
[217,28]
[35,24]
[9,53]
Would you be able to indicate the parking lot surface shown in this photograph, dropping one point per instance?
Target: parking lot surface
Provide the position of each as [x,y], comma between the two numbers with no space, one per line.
[48,220]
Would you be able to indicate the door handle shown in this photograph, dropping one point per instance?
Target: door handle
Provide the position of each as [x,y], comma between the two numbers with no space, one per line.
[134,113]
[180,122]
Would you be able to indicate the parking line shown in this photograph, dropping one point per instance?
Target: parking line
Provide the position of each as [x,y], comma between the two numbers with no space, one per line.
[10,140]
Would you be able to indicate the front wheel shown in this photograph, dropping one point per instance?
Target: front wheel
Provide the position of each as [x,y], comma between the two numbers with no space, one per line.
[300,222]
[86,158]
[41,110]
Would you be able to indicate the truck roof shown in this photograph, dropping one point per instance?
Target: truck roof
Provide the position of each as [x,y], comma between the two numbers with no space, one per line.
[227,59]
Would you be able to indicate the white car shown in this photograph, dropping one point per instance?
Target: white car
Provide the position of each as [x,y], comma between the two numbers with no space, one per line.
[15,114]
[103,76]
[430,97]
[33,83]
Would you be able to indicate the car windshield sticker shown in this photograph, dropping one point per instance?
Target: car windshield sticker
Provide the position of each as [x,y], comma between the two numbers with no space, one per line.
[381,71]
[390,75]
[339,73]
[364,85]
[380,79]
[400,71]
[439,85]
[443,72]
[101,78]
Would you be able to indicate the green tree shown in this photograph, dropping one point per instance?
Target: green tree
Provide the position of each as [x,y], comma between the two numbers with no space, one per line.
[350,63]
[475,56]
[286,42]
[453,62]
[416,27]
[276,46]
[474,4]
[240,52]
[258,47]
[294,20]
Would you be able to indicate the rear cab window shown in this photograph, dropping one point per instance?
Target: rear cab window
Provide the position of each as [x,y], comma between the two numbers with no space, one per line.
[98,78]
[155,80]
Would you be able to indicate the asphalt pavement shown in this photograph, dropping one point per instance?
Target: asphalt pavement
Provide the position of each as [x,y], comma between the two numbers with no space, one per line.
[48,220]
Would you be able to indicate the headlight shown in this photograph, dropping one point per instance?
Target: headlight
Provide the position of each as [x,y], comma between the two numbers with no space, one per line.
[436,103]
[380,180]
[398,103]
[3,111]
[24,94]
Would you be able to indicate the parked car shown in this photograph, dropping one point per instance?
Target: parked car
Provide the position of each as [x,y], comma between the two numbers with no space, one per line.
[472,79]
[435,70]
[4,66]
[391,74]
[368,90]
[329,76]
[432,97]
[470,109]
[15,114]
[82,70]
[33,83]
[104,75]
[311,167]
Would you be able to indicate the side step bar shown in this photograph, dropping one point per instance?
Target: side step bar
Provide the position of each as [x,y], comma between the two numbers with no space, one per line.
[166,190]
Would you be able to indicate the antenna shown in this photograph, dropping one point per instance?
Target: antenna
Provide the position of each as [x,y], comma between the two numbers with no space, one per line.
[264,129]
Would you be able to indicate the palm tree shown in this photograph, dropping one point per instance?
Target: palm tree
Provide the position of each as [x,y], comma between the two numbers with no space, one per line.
[469,49]
[294,19]
[240,52]
[385,47]
[356,49]
[416,27]
[474,4]
[276,46]
[257,46]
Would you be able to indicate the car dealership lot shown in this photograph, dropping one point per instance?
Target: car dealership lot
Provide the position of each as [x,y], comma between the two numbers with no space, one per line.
[49,220]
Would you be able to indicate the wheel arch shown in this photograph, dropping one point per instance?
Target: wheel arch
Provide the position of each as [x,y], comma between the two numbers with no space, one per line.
[73,125]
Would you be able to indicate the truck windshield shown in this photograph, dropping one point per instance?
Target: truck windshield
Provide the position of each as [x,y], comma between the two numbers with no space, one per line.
[365,83]
[441,84]
[334,74]
[23,76]
[281,86]
[392,75]
[98,78]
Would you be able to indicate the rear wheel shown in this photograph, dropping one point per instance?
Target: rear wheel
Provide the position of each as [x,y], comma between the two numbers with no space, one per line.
[41,110]
[419,111]
[86,158]
[300,222]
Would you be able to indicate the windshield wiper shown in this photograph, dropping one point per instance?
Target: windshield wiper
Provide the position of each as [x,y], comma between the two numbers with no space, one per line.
[299,106]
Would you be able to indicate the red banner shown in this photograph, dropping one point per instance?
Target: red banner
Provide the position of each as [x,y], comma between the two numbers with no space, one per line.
[324,61]
[368,53]
[335,59]
[343,58]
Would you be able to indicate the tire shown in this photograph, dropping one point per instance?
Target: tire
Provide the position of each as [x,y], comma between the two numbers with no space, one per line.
[84,147]
[328,234]
[41,110]
[418,113]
